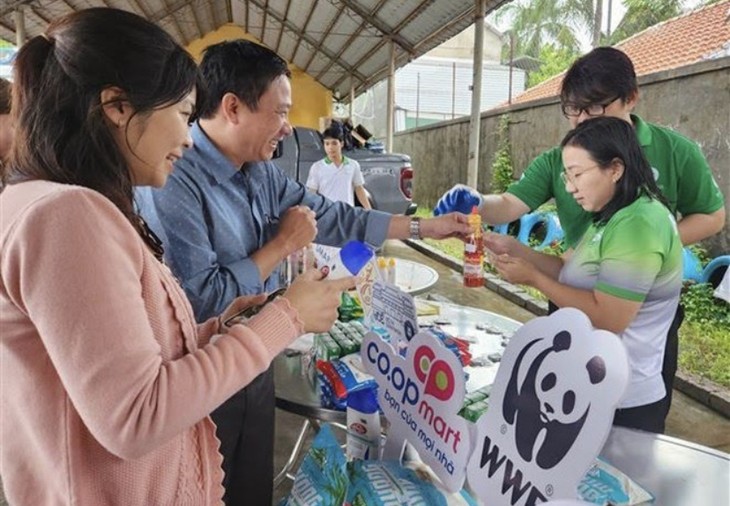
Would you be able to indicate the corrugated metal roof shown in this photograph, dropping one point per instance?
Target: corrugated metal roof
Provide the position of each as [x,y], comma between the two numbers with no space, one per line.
[331,40]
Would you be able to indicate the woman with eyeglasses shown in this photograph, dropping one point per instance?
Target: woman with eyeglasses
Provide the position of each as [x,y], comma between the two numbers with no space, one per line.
[603,82]
[625,273]
[107,381]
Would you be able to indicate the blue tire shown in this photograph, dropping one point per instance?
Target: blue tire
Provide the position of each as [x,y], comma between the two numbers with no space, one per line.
[500,229]
[718,265]
[528,222]
[692,267]
[554,230]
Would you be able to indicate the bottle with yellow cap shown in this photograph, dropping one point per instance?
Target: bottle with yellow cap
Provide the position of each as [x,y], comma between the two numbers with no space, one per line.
[391,271]
[474,252]
[383,268]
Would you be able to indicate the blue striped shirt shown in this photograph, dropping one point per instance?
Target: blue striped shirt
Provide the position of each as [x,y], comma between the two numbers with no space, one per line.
[212,216]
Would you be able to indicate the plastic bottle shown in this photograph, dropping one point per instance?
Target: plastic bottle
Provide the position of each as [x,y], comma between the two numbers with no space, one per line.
[474,252]
[349,261]
[363,425]
[383,268]
[391,271]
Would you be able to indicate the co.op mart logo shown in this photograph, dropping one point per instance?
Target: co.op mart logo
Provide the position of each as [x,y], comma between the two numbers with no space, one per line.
[420,394]
[436,375]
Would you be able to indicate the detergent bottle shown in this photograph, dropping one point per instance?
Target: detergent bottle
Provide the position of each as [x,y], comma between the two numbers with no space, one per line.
[363,425]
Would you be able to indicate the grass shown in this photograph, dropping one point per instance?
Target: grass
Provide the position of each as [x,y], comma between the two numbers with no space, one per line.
[704,337]
[704,350]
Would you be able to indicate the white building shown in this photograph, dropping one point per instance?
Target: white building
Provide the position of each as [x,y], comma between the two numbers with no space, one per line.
[437,86]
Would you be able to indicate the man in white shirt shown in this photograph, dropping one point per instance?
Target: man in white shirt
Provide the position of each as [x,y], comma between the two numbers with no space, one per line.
[336,176]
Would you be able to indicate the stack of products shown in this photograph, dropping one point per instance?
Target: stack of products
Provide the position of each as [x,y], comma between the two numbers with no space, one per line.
[476,403]
[343,339]
[350,308]
[340,377]
[326,478]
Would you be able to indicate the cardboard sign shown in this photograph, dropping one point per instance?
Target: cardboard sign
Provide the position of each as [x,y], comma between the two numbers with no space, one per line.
[394,310]
[323,254]
[365,281]
[550,411]
[420,395]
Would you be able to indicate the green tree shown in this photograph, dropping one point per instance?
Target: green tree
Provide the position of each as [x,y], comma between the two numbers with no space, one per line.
[550,30]
[536,23]
[502,171]
[641,14]
[553,61]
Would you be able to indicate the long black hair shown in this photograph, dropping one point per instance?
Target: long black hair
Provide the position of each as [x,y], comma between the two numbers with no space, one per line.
[607,140]
[61,134]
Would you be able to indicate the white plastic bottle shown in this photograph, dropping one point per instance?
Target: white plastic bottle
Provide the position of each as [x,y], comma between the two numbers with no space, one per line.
[391,271]
[363,425]
[348,262]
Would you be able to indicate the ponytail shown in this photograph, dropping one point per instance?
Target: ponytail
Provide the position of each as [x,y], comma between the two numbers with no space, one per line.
[61,133]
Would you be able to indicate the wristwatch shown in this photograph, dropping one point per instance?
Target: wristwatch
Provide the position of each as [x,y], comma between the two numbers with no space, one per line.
[415,228]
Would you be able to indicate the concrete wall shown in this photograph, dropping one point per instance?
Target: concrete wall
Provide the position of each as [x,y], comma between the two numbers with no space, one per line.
[694,101]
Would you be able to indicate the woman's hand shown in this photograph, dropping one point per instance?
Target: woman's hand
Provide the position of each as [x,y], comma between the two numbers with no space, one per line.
[317,299]
[501,244]
[515,270]
[238,305]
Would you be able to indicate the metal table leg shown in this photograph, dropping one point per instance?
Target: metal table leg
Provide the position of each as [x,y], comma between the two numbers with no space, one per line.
[285,471]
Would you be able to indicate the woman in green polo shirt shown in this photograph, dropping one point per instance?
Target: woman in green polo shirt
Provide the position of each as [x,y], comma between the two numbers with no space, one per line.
[625,273]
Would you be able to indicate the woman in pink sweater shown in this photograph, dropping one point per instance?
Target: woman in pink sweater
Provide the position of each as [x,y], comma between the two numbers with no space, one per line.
[107,381]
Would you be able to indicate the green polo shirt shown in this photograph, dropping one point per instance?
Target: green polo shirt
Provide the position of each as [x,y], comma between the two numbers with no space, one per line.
[636,256]
[681,170]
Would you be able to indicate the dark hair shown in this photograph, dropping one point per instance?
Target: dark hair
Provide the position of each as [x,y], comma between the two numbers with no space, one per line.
[334,131]
[241,67]
[5,88]
[608,139]
[61,133]
[599,76]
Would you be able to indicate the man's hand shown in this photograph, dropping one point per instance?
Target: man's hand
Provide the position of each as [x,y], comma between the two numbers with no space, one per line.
[317,299]
[443,227]
[460,199]
[297,228]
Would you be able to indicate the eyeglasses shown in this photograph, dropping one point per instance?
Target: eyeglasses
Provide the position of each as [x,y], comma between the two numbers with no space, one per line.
[566,177]
[573,110]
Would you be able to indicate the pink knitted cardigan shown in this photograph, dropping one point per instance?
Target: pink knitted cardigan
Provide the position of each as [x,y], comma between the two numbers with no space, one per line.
[106,381]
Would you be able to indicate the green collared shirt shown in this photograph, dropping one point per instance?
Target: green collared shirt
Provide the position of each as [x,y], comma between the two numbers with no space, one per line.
[679,167]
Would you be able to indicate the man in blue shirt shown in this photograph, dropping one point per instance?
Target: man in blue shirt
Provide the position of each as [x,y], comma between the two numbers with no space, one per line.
[229,217]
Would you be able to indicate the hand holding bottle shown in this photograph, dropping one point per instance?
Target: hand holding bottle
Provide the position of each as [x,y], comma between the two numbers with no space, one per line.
[316,299]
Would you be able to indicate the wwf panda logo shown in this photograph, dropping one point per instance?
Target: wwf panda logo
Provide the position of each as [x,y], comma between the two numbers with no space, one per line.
[549,407]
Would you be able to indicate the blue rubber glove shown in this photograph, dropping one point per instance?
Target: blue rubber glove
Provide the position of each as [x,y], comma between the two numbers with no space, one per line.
[460,198]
